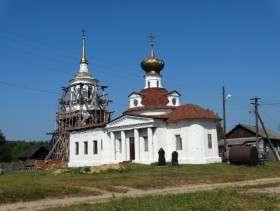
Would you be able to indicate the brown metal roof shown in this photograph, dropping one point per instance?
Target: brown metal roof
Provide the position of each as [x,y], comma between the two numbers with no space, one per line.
[190,111]
[184,112]
[153,98]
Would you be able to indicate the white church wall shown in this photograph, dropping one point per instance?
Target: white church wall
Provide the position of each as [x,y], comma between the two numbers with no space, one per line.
[160,139]
[194,135]
[143,147]
[173,99]
[92,156]
[135,101]
[151,112]
[212,154]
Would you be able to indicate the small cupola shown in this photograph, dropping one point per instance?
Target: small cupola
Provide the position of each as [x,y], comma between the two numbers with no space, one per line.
[83,76]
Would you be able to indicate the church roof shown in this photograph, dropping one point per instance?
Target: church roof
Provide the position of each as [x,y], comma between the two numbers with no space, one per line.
[153,98]
[190,111]
[83,75]
[183,112]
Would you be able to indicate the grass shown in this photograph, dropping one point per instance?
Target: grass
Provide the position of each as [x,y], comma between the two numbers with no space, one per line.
[40,184]
[219,199]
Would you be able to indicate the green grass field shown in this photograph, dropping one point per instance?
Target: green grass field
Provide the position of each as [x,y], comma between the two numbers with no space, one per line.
[219,199]
[40,184]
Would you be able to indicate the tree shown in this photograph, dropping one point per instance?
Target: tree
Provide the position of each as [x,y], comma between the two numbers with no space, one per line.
[220,130]
[2,137]
[219,127]
[3,147]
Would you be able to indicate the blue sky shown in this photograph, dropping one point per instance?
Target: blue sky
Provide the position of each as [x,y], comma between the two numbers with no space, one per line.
[205,45]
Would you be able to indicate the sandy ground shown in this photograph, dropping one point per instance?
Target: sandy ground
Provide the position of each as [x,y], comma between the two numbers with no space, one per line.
[132,192]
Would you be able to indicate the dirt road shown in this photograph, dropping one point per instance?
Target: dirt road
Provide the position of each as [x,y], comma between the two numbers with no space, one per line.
[132,192]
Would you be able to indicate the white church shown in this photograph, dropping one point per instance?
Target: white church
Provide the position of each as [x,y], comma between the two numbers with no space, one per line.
[154,119]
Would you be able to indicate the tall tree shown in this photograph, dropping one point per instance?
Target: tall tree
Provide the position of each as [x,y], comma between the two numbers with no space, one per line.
[3,147]
[2,137]
[220,130]
[219,127]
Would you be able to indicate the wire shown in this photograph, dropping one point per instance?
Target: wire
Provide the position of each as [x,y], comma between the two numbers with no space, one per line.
[169,81]
[44,66]
[30,88]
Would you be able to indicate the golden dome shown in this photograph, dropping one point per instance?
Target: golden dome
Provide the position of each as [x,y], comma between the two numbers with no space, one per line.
[83,75]
[152,64]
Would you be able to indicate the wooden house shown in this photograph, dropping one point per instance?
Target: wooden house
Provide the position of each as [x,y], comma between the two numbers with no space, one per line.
[246,135]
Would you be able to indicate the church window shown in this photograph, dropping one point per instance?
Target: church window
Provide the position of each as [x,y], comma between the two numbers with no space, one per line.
[157,84]
[209,141]
[77,147]
[120,145]
[135,102]
[101,145]
[146,147]
[149,84]
[85,147]
[174,101]
[178,142]
[95,147]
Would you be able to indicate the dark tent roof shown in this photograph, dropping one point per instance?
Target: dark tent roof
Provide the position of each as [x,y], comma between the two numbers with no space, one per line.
[37,152]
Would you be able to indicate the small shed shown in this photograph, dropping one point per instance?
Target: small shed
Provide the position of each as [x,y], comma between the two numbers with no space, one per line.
[34,153]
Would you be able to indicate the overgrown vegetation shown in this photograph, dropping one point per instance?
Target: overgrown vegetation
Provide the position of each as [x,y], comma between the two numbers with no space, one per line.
[33,185]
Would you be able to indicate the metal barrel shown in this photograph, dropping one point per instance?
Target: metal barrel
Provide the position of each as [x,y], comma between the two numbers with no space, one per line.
[243,155]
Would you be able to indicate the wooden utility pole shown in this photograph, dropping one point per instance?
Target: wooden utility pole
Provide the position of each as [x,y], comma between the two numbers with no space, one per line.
[257,120]
[268,139]
[224,120]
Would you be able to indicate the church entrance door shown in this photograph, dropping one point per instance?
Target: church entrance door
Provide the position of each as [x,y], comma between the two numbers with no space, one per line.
[132,148]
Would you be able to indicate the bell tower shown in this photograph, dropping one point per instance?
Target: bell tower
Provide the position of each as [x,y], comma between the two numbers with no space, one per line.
[83,103]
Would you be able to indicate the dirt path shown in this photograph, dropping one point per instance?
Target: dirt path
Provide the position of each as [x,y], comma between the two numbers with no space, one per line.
[128,192]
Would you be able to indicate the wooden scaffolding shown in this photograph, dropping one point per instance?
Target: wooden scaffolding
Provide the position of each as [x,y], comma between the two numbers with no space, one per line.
[78,107]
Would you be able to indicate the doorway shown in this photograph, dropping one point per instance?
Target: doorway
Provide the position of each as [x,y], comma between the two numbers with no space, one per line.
[131,148]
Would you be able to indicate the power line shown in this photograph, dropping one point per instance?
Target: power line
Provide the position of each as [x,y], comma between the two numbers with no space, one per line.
[34,63]
[30,88]
[44,91]
[169,81]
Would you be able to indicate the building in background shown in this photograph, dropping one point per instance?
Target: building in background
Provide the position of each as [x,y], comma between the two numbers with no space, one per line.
[243,134]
